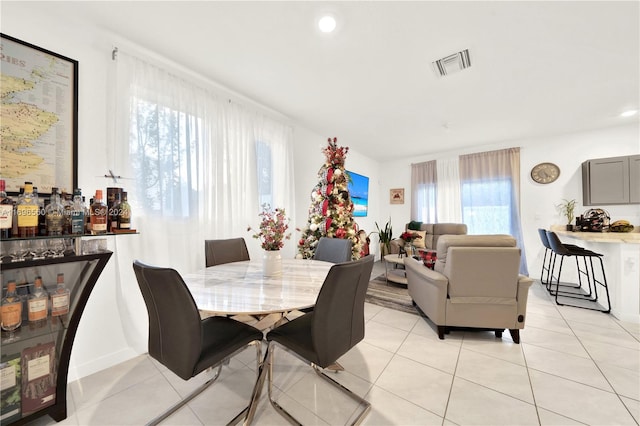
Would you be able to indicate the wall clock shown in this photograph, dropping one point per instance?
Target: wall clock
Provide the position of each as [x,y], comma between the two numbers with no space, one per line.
[545,172]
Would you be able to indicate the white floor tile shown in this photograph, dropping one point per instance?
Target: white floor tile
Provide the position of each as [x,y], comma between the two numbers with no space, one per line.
[486,343]
[389,409]
[384,336]
[624,381]
[611,354]
[578,369]
[579,402]
[472,404]
[548,418]
[501,376]
[560,342]
[402,320]
[434,353]
[633,405]
[419,384]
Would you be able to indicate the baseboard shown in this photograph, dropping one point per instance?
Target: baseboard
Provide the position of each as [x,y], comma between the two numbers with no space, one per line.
[79,371]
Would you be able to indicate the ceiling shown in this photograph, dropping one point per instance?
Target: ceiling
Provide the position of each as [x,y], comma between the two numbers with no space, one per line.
[538,68]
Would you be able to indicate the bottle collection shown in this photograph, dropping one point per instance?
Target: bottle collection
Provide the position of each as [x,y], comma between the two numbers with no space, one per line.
[33,303]
[29,215]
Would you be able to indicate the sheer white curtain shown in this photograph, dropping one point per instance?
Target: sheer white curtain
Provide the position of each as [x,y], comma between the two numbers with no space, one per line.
[193,158]
[491,194]
[449,207]
[424,182]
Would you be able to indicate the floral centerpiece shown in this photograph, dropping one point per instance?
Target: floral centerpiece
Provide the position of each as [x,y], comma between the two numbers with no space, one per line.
[410,237]
[273,228]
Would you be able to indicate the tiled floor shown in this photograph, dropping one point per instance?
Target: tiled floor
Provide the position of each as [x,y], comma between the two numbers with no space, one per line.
[573,367]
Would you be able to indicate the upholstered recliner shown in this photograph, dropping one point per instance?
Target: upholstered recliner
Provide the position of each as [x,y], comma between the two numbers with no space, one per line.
[475,283]
[430,233]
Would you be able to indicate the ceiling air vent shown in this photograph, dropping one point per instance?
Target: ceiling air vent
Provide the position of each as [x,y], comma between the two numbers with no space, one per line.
[452,63]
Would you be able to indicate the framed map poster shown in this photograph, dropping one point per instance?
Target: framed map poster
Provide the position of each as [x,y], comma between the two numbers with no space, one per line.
[39,114]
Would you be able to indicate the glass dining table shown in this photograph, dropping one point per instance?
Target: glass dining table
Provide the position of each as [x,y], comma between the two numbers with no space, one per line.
[240,290]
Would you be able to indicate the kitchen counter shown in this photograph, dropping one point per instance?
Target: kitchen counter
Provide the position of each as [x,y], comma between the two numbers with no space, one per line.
[621,256]
[603,237]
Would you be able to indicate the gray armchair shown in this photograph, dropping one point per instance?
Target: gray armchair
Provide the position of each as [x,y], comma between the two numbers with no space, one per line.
[475,283]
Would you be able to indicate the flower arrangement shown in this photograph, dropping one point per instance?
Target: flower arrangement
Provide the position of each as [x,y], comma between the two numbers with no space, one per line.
[273,228]
[409,237]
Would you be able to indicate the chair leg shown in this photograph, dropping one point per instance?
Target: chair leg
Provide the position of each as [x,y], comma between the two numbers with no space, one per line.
[515,334]
[284,413]
[188,398]
[498,333]
[204,386]
[442,330]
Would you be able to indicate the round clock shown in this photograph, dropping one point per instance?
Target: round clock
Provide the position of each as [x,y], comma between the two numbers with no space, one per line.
[545,172]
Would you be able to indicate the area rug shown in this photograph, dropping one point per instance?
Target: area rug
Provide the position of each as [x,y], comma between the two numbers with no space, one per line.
[390,295]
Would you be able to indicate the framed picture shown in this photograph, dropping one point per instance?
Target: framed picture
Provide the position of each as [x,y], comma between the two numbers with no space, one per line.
[396,196]
[39,118]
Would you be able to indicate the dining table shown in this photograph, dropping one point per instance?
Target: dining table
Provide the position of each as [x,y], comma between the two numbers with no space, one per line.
[242,291]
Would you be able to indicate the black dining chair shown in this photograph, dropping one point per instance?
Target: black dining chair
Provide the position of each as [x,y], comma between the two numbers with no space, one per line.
[322,336]
[229,250]
[180,340]
[549,260]
[334,250]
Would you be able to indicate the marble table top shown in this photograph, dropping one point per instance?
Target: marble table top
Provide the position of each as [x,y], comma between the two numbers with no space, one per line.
[240,287]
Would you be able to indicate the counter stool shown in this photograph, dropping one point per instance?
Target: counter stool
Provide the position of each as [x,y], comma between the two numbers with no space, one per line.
[548,261]
[589,294]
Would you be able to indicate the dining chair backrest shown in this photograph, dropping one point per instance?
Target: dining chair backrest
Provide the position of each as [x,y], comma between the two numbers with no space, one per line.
[338,316]
[175,333]
[334,250]
[229,250]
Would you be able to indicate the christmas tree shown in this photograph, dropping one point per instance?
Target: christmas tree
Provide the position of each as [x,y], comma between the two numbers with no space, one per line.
[331,210]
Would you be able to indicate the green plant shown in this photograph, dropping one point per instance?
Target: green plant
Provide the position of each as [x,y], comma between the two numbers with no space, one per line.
[566,209]
[385,235]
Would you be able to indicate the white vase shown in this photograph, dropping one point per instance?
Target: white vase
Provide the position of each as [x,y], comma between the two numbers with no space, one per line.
[272,263]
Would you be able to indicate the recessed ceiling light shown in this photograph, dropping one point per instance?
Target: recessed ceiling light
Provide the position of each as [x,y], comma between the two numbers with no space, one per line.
[629,113]
[327,24]
[452,63]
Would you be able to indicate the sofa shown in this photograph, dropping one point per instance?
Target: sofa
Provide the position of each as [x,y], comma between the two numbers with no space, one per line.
[475,283]
[430,233]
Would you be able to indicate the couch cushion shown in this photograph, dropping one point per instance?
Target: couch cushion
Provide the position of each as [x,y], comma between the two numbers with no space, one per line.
[446,241]
[414,225]
[420,242]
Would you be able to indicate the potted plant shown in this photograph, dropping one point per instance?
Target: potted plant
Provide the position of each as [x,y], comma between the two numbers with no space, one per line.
[384,237]
[566,209]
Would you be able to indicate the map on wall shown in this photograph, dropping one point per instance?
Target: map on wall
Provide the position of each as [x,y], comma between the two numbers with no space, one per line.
[38,117]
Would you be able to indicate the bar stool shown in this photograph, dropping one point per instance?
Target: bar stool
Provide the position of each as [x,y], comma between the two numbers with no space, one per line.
[546,265]
[589,294]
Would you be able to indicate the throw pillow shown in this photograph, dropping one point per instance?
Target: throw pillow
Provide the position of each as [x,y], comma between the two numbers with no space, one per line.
[414,225]
[428,258]
[419,242]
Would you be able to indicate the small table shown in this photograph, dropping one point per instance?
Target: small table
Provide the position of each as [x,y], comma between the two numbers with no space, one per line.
[396,274]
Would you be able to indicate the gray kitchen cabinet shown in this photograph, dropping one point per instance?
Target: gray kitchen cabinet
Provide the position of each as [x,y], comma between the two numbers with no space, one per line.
[614,180]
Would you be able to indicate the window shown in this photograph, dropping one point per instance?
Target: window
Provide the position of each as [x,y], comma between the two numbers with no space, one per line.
[263,164]
[486,206]
[165,142]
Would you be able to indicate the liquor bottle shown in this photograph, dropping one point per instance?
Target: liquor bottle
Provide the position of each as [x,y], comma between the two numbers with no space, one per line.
[27,210]
[6,213]
[38,302]
[77,213]
[54,214]
[60,298]
[42,205]
[124,215]
[14,222]
[67,203]
[98,214]
[114,212]
[11,308]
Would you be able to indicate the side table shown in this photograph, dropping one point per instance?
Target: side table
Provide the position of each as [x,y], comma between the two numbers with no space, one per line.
[396,273]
